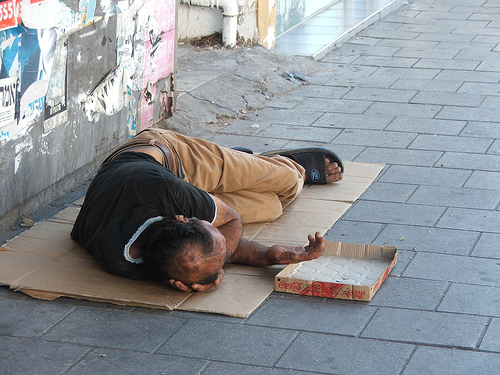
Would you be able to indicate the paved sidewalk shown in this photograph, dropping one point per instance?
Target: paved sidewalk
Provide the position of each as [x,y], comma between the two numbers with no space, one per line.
[419,91]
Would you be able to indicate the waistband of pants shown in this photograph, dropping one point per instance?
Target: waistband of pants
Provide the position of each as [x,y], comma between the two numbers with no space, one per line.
[168,159]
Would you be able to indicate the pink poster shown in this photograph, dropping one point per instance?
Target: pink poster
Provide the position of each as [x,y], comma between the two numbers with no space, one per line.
[159,54]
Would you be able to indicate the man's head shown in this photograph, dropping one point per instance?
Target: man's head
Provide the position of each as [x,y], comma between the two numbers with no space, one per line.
[188,250]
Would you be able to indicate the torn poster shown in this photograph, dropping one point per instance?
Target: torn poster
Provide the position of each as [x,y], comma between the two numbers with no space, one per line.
[8,99]
[107,97]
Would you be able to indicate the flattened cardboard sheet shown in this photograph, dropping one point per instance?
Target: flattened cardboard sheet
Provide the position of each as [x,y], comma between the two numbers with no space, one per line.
[46,263]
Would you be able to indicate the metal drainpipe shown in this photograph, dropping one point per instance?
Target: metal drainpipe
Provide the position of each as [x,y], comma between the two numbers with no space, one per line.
[229,17]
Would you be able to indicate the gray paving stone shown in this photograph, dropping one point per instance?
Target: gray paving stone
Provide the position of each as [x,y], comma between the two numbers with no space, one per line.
[407,73]
[442,36]
[244,344]
[491,340]
[353,232]
[485,88]
[434,11]
[430,27]
[137,330]
[436,240]
[417,175]
[486,38]
[404,259]
[341,355]
[333,105]
[406,16]
[456,197]
[27,356]
[388,34]
[107,361]
[473,114]
[460,46]
[353,121]
[346,152]
[408,110]
[361,81]
[447,64]
[468,219]
[244,127]
[399,156]
[257,144]
[389,192]
[317,91]
[454,268]
[429,360]
[364,40]
[482,129]
[400,62]
[219,368]
[468,76]
[487,246]
[375,138]
[270,115]
[425,327]
[285,102]
[470,161]
[451,143]
[484,56]
[495,148]
[465,7]
[474,30]
[409,293]
[442,98]
[359,49]
[427,126]
[427,84]
[472,299]
[380,95]
[29,317]
[297,315]
[341,74]
[455,23]
[394,213]
[295,132]
[490,101]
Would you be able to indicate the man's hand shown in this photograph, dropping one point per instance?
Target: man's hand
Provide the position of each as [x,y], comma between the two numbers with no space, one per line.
[195,287]
[283,254]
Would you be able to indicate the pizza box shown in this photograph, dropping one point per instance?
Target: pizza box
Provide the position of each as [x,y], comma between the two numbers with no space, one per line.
[344,270]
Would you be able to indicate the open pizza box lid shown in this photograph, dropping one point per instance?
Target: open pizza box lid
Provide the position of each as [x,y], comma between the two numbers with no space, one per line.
[345,271]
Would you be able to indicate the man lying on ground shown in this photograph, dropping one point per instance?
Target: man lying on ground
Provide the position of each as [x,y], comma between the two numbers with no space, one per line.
[169,207]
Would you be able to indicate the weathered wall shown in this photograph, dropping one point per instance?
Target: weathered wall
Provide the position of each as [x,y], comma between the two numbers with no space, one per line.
[195,21]
[77,78]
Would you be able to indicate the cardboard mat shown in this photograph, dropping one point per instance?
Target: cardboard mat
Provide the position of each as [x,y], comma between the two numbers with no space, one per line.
[44,262]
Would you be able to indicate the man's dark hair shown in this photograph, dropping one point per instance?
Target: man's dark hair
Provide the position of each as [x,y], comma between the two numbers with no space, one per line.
[164,240]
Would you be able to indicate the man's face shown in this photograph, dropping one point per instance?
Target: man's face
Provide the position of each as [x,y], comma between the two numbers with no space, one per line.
[195,267]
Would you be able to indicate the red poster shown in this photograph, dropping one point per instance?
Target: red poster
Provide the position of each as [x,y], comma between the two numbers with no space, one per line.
[9,13]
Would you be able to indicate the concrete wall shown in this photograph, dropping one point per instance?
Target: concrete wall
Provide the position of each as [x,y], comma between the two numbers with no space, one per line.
[256,21]
[77,78]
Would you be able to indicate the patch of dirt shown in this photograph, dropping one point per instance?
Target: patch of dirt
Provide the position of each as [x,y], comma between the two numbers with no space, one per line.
[214,41]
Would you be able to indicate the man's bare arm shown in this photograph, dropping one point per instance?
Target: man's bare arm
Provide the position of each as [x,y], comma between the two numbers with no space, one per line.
[255,254]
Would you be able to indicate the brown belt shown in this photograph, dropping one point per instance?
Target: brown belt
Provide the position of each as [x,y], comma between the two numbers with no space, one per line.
[137,142]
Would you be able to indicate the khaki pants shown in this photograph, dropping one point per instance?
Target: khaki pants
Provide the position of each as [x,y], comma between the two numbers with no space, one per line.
[257,187]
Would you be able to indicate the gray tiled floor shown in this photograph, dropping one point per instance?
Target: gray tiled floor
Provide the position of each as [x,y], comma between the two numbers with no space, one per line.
[437,200]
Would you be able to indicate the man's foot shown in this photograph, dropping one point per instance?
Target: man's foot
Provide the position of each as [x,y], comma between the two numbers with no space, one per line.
[312,159]
[333,171]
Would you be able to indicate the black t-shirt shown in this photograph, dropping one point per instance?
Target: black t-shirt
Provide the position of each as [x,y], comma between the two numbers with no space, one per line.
[127,195]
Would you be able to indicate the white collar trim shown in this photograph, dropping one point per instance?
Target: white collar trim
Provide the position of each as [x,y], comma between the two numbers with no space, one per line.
[126,250]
